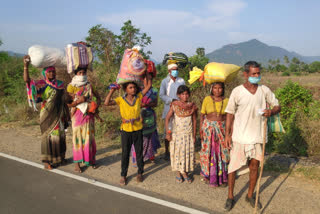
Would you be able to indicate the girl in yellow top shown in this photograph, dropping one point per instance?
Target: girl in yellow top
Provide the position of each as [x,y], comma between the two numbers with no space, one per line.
[214,157]
[131,127]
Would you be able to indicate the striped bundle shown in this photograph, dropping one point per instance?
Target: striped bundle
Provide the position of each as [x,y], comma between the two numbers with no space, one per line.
[79,55]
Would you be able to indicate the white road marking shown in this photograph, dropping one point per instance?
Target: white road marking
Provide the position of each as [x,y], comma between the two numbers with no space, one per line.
[110,187]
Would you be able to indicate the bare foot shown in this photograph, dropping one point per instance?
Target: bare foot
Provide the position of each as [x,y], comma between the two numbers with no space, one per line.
[77,168]
[48,166]
[123,181]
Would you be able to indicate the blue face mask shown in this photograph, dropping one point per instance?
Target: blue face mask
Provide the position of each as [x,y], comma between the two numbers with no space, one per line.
[174,73]
[254,80]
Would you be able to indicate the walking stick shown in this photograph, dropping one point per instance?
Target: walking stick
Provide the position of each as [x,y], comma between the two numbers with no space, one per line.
[262,160]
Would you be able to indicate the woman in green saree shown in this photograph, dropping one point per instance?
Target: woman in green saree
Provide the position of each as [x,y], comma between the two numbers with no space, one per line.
[54,113]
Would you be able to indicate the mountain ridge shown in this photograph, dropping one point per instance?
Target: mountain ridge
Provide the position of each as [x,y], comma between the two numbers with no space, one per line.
[256,50]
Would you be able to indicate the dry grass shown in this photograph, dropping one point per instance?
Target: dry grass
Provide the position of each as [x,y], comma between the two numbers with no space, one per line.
[309,81]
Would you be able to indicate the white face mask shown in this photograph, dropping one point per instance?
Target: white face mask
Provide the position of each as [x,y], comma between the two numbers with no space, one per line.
[81,78]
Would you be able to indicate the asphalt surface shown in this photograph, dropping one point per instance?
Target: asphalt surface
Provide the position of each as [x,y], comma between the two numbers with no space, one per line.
[26,189]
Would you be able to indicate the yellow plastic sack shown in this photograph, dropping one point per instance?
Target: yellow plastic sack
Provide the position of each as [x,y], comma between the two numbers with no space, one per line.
[214,72]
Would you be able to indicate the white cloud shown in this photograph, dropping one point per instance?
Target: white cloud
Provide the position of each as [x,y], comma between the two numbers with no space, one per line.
[227,7]
[179,29]
[220,16]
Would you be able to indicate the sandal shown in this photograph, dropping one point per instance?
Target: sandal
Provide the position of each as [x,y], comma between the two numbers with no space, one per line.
[94,166]
[48,166]
[179,180]
[123,181]
[205,180]
[187,178]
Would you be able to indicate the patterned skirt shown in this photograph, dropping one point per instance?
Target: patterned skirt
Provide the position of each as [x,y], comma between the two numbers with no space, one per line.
[84,144]
[213,157]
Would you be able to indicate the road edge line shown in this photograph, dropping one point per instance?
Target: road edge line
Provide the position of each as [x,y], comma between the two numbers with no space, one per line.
[109,187]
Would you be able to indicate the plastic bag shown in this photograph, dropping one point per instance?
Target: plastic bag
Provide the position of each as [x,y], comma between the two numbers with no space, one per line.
[42,57]
[132,68]
[214,72]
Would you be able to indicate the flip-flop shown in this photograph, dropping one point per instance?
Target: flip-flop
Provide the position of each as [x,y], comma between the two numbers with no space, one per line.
[179,179]
[189,180]
[48,167]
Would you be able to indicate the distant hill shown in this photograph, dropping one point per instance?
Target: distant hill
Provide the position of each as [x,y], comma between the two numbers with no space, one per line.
[255,50]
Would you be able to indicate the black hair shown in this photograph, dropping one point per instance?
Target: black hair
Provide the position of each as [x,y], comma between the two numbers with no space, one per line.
[183,88]
[217,83]
[79,69]
[252,64]
[125,85]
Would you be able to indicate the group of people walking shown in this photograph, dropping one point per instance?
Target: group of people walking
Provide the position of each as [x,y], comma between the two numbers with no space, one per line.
[231,129]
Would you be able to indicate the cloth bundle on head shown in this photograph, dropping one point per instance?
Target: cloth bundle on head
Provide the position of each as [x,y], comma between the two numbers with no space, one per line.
[78,55]
[214,72]
[132,67]
[176,58]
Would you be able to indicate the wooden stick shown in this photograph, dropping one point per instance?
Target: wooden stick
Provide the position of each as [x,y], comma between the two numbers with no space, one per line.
[261,162]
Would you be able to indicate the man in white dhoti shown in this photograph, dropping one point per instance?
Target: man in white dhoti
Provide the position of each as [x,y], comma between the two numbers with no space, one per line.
[246,112]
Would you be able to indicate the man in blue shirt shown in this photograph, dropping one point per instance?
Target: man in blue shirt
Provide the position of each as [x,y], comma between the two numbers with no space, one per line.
[168,93]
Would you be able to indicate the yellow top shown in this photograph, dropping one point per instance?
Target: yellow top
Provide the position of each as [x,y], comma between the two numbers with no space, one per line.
[207,106]
[130,114]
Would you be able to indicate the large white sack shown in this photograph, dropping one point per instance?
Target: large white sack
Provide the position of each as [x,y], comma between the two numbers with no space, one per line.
[42,57]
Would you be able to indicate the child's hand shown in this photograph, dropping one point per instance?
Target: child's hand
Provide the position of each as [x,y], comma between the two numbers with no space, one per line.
[168,137]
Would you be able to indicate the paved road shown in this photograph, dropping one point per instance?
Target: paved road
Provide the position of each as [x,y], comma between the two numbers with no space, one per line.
[25,189]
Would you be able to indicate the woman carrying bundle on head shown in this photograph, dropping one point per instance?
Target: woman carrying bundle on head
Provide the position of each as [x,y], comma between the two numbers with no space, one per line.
[83,111]
[214,157]
[54,114]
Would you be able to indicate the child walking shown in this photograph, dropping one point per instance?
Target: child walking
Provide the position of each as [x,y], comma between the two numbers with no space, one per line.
[131,127]
[183,135]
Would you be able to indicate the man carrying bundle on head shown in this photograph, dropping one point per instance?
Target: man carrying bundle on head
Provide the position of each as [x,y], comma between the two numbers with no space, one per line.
[168,93]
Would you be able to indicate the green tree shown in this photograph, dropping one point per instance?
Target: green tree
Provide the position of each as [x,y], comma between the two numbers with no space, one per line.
[286,60]
[200,52]
[0,42]
[295,60]
[314,67]
[199,59]
[103,42]
[129,37]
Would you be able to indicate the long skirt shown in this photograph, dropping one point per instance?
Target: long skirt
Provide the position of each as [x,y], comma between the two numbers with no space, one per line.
[214,158]
[53,146]
[182,152]
[218,173]
[84,144]
[151,144]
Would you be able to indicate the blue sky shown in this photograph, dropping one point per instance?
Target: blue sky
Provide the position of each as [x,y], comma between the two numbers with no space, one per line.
[176,25]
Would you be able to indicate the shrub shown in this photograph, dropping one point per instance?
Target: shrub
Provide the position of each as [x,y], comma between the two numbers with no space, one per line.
[285,73]
[295,101]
